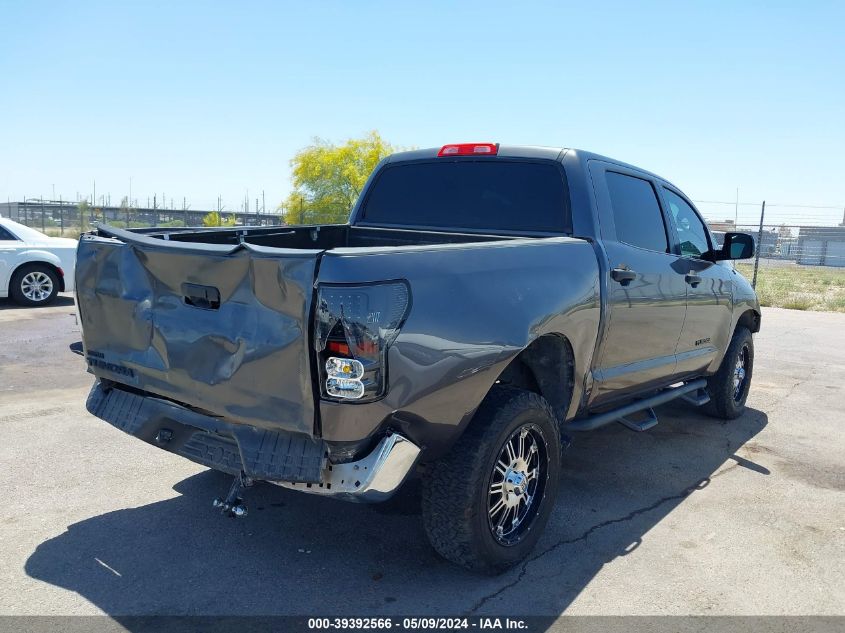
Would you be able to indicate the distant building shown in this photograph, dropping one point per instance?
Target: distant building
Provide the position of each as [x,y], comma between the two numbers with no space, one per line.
[820,245]
[722,227]
[769,240]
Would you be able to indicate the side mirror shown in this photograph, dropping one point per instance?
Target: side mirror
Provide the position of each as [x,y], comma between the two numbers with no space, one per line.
[736,246]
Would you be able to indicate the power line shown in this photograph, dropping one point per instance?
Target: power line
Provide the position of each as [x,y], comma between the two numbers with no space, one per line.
[757,204]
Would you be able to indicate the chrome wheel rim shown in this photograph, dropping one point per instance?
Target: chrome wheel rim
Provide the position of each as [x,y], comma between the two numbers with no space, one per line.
[36,286]
[517,484]
[740,373]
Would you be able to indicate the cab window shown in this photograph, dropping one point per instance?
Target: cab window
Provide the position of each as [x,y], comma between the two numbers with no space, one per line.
[692,234]
[636,212]
[5,235]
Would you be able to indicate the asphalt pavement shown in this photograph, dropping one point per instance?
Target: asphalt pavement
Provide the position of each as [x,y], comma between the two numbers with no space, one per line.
[693,517]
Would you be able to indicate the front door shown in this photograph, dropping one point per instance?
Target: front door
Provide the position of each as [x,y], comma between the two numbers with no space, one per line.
[645,284]
[707,327]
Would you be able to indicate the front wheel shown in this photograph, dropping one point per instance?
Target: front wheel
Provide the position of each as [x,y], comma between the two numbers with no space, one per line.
[487,501]
[728,387]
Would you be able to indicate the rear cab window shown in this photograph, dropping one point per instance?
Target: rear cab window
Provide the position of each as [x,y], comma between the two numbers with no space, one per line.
[636,212]
[482,195]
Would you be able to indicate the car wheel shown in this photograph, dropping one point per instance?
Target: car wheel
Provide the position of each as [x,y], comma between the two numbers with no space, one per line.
[487,501]
[34,285]
[728,387]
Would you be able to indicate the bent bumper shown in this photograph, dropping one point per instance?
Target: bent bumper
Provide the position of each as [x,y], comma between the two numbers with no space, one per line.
[291,460]
[372,479]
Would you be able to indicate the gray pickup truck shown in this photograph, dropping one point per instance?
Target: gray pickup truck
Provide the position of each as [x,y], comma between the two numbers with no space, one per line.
[483,303]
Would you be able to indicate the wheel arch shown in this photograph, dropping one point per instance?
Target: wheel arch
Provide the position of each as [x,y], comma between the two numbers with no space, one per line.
[42,262]
[546,367]
[749,319]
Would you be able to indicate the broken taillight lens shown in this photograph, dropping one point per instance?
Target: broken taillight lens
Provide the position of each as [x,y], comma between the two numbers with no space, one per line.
[355,325]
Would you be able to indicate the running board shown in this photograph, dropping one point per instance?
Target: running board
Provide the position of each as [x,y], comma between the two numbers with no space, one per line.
[640,425]
[598,420]
[697,398]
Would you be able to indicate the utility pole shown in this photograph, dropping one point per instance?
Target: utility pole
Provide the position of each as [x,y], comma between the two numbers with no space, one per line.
[736,209]
[42,214]
[759,241]
[263,208]
[62,217]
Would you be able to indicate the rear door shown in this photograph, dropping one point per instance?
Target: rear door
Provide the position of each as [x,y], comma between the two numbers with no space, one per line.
[646,291]
[220,327]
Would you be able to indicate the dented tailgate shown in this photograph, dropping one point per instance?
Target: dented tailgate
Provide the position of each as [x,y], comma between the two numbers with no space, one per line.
[220,327]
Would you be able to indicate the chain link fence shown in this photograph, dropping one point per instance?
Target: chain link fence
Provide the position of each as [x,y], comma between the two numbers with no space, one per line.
[798,266]
[68,219]
[800,259]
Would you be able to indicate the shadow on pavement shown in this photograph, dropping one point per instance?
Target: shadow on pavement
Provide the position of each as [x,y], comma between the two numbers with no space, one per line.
[298,554]
[60,301]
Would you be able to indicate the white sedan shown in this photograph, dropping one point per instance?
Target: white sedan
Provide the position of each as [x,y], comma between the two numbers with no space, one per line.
[34,268]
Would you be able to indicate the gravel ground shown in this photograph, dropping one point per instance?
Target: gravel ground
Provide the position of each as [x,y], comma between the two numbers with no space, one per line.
[692,517]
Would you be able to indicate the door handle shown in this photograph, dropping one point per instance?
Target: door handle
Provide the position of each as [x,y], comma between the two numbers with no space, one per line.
[623,275]
[693,279]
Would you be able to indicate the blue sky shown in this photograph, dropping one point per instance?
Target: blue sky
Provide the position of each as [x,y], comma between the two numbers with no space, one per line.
[200,99]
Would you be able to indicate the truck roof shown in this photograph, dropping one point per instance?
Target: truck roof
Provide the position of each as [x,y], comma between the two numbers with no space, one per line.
[524,151]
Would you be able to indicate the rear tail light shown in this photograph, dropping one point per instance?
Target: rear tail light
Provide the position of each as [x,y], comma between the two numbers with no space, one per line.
[354,327]
[347,368]
[344,388]
[336,347]
[469,149]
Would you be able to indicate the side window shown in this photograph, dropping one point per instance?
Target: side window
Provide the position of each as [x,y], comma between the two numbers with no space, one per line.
[5,235]
[636,212]
[692,234]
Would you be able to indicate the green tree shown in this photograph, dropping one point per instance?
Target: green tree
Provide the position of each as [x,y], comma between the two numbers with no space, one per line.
[328,178]
[216,219]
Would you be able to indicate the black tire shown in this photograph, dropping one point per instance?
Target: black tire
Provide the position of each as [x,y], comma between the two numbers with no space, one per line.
[22,288]
[456,491]
[727,400]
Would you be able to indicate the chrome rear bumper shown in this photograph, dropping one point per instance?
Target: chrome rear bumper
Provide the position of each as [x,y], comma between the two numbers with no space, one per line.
[371,479]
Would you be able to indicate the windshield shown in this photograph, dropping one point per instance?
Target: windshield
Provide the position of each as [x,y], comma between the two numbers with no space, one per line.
[487,195]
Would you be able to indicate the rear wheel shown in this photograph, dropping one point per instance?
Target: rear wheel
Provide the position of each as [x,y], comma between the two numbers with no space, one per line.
[486,503]
[728,387]
[34,285]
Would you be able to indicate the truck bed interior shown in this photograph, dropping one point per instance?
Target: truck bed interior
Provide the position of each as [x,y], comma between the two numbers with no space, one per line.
[324,237]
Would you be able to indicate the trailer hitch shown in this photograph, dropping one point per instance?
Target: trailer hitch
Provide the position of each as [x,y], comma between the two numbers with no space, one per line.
[233,504]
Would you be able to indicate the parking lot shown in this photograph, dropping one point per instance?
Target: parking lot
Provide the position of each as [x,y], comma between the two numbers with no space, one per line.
[692,517]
